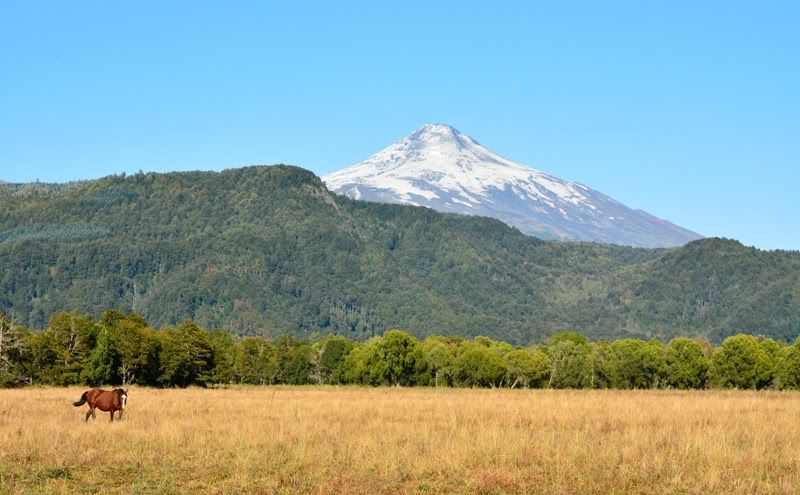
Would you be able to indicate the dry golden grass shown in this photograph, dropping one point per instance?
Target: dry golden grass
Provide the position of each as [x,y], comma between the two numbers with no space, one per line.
[363,440]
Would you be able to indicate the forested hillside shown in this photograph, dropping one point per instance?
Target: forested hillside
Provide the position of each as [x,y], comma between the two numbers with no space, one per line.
[269,250]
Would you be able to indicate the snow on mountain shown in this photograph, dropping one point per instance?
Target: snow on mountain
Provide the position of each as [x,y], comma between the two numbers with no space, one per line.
[441,168]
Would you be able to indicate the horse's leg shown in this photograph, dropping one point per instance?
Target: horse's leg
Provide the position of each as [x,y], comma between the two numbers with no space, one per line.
[112,415]
[88,413]
[94,416]
[119,416]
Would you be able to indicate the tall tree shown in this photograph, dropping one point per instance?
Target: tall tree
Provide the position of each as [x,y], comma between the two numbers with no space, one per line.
[299,367]
[255,361]
[686,364]
[570,363]
[638,364]
[138,350]
[402,361]
[527,368]
[223,350]
[741,363]
[334,351]
[787,374]
[14,353]
[187,356]
[102,366]
[480,367]
[59,352]
[438,353]
[362,366]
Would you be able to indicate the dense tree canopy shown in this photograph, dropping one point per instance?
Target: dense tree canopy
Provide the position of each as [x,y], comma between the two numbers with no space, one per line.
[742,363]
[269,250]
[686,363]
[123,348]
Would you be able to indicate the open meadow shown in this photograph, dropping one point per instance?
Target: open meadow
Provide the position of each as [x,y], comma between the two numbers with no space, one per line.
[402,440]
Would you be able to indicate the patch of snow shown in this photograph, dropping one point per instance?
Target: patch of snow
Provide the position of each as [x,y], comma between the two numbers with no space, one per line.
[437,163]
[354,193]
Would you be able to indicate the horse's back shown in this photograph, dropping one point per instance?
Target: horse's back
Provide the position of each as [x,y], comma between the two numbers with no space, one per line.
[102,399]
[94,393]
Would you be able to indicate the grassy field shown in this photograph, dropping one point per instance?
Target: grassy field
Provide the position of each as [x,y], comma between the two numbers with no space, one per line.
[365,441]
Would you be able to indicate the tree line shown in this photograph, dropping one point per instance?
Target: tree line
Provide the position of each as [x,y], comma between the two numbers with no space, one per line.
[122,348]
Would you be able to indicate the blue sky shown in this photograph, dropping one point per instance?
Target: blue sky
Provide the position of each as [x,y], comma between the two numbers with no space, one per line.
[688,110]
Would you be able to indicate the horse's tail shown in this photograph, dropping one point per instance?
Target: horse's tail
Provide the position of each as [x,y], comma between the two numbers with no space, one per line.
[82,401]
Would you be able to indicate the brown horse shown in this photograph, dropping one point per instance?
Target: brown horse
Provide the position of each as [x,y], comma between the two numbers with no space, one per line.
[112,401]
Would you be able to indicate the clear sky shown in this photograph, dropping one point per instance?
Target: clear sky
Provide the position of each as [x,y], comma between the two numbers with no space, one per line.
[688,110]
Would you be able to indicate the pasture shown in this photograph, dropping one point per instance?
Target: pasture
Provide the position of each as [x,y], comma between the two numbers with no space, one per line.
[321,440]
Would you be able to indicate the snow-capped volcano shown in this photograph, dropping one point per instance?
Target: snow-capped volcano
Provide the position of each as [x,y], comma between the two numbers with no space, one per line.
[441,168]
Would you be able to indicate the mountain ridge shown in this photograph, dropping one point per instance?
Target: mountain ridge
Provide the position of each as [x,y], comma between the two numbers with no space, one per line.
[439,167]
[270,250]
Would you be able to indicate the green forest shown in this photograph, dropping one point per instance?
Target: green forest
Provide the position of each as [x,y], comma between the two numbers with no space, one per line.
[123,349]
[269,251]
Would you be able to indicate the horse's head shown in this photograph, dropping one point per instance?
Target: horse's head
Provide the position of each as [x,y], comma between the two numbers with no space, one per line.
[123,397]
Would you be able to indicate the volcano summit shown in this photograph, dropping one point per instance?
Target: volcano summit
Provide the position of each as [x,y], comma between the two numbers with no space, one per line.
[439,167]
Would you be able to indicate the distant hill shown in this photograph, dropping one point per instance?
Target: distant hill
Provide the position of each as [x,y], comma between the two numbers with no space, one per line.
[439,167]
[268,250]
